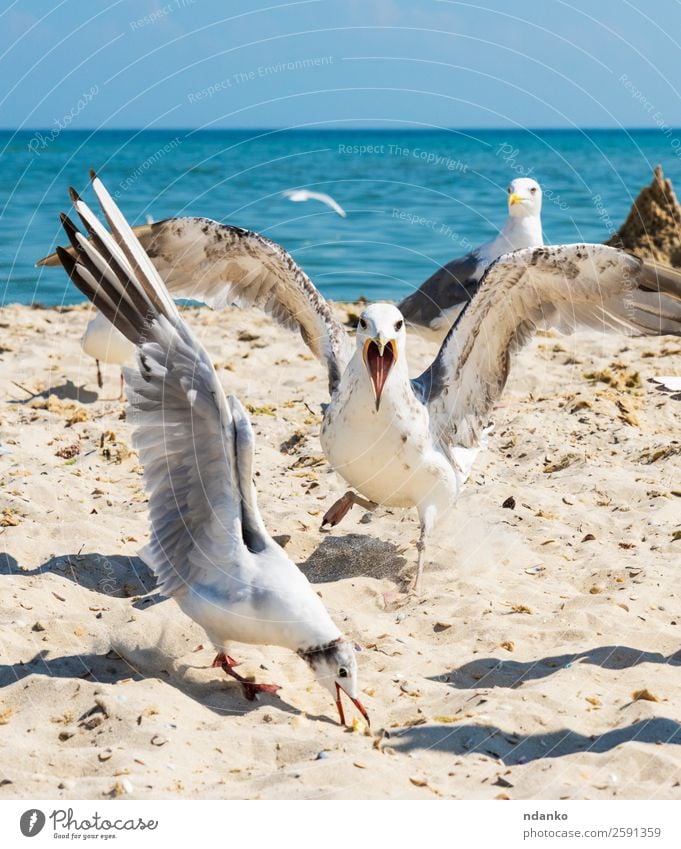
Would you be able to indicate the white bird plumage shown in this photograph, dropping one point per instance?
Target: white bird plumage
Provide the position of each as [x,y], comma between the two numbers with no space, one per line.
[301,195]
[209,547]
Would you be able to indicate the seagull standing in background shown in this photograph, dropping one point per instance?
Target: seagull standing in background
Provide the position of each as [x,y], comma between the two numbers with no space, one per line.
[299,195]
[209,547]
[436,303]
[106,344]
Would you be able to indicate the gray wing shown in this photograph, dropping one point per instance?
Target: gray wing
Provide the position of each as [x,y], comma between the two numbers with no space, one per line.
[196,446]
[435,303]
[218,264]
[566,287]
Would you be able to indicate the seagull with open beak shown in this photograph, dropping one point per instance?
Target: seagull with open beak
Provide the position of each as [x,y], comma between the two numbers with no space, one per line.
[379,336]
[375,407]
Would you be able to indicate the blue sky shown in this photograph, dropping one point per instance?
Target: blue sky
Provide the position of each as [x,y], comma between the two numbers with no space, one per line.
[424,63]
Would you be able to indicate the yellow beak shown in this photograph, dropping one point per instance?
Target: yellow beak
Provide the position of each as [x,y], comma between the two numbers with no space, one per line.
[514,198]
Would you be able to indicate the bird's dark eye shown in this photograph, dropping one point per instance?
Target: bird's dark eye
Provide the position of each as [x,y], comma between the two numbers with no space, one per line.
[509,190]
[342,672]
[398,324]
[533,191]
[362,324]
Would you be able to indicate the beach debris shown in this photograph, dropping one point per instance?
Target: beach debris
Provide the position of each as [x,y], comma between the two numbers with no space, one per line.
[121,788]
[652,455]
[441,626]
[538,569]
[588,538]
[520,608]
[105,755]
[502,782]
[418,782]
[644,695]
[158,740]
[509,503]
[68,452]
[264,410]
[9,518]
[509,645]
[6,715]
[359,726]
[566,460]
[79,415]
[38,626]
[289,446]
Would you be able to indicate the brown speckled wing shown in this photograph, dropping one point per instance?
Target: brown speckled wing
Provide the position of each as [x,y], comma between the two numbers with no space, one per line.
[217,264]
[566,287]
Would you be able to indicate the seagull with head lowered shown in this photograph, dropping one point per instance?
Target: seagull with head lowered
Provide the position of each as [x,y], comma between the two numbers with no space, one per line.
[435,305]
[209,547]
[301,195]
[400,441]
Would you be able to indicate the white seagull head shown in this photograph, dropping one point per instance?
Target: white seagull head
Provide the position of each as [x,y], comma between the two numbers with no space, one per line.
[524,198]
[335,668]
[382,338]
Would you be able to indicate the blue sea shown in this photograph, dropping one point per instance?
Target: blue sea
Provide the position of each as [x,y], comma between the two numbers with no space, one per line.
[414,200]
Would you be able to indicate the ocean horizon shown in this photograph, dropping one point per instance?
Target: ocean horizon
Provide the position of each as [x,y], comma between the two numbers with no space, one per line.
[415,198]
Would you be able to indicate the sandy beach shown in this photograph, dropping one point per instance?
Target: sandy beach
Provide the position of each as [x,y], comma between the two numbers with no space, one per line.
[541,659]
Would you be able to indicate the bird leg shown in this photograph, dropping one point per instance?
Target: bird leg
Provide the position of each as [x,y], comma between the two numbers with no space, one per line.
[420,548]
[100,382]
[340,508]
[250,688]
[222,658]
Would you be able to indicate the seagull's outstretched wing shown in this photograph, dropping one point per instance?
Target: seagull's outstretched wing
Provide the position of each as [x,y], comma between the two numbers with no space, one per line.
[196,446]
[218,264]
[435,303]
[564,286]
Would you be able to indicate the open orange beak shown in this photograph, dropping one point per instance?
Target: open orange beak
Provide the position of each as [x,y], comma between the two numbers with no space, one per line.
[379,360]
[356,702]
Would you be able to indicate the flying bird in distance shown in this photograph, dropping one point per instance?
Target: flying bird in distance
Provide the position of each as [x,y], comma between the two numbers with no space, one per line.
[300,195]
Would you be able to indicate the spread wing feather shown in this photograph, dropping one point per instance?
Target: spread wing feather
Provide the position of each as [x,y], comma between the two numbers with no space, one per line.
[567,287]
[196,445]
[218,264]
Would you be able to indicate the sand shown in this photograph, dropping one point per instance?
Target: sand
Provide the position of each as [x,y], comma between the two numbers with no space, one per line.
[541,660]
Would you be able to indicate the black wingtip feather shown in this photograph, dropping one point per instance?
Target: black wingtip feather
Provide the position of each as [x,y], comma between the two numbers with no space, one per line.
[73,194]
[70,229]
[93,175]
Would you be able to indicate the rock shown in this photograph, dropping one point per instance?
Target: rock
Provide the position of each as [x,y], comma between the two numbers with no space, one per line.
[509,504]
[652,230]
